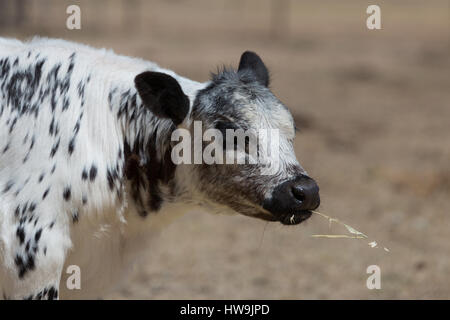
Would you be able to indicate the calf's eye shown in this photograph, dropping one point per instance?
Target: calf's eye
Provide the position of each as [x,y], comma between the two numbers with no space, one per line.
[222,127]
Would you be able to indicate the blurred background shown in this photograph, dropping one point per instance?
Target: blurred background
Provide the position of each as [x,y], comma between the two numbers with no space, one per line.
[373,107]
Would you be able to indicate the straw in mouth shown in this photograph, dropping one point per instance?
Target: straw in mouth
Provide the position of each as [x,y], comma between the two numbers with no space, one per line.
[353,233]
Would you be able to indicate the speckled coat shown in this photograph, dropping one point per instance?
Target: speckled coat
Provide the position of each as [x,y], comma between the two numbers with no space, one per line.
[86,176]
[69,117]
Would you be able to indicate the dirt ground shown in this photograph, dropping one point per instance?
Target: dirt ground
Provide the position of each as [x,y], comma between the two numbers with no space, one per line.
[373,107]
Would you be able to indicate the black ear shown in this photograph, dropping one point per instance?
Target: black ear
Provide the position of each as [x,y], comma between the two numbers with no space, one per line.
[251,61]
[163,95]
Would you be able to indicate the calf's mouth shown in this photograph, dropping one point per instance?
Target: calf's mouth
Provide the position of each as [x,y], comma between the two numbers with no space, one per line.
[288,218]
[295,218]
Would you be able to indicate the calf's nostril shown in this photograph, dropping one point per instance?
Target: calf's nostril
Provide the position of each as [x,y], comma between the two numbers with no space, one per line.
[298,193]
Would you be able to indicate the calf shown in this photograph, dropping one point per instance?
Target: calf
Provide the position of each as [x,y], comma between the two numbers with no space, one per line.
[87,173]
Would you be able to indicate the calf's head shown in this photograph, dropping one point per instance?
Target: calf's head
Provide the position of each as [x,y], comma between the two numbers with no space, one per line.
[270,184]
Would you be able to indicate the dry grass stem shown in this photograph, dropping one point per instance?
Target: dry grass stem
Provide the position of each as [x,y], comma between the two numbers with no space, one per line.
[353,233]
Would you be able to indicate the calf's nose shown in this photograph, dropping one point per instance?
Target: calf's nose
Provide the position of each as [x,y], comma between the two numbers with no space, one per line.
[293,196]
[305,192]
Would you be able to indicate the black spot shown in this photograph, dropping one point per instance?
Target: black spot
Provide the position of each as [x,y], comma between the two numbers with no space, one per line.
[8,186]
[33,140]
[25,208]
[84,174]
[52,294]
[55,148]
[75,216]
[46,193]
[66,104]
[38,234]
[32,207]
[52,126]
[20,233]
[24,265]
[13,124]
[110,177]
[5,148]
[93,173]
[67,193]
[77,127]
[71,146]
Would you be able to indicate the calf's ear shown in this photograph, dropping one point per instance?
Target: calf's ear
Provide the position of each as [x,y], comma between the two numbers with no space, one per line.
[251,61]
[162,95]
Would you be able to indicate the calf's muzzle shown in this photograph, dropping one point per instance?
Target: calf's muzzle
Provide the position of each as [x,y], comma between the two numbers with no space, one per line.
[291,202]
